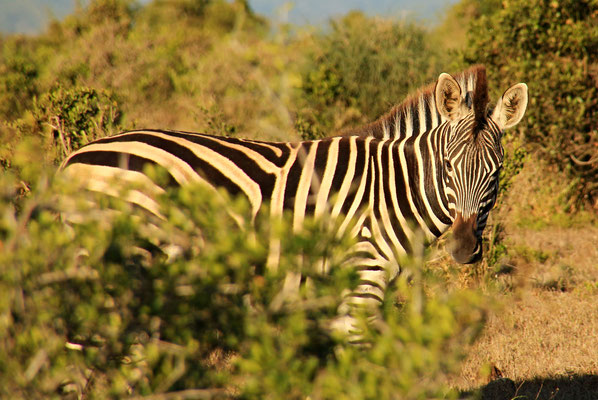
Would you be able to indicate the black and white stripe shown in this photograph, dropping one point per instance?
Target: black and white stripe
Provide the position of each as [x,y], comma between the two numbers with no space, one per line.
[417,168]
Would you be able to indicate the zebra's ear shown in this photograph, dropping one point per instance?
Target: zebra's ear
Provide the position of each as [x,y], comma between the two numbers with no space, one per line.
[511,106]
[448,97]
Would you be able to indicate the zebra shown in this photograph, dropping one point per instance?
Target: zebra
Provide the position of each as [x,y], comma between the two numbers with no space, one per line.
[431,163]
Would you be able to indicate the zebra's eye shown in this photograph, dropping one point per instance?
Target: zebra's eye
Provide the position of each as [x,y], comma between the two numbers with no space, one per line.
[448,166]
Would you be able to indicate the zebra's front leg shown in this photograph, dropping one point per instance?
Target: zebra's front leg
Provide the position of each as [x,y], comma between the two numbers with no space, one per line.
[374,273]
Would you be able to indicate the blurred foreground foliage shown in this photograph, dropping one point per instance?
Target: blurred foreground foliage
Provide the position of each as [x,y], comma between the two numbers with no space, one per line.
[95,310]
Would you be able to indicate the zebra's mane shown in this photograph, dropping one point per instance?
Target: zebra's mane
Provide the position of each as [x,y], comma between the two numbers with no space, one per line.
[418,114]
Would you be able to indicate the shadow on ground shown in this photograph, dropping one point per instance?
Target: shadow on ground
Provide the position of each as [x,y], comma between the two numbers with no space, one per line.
[576,387]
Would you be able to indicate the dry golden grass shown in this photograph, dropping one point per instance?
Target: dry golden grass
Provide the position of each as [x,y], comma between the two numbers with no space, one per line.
[542,340]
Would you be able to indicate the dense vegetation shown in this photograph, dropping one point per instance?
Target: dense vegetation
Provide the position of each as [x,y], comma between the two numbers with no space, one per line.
[84,311]
[553,46]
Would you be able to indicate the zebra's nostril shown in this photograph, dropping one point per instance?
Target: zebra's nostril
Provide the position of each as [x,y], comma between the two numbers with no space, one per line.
[465,252]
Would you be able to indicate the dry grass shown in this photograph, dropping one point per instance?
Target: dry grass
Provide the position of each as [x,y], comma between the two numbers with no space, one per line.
[542,340]
[538,334]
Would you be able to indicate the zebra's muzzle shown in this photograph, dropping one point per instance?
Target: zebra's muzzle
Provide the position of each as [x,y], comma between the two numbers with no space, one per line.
[465,246]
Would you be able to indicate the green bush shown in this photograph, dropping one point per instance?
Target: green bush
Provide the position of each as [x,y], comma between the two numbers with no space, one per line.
[360,68]
[151,58]
[64,119]
[19,70]
[95,310]
[76,117]
[553,47]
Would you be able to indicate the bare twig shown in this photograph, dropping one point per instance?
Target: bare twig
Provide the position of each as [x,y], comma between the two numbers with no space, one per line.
[58,127]
[583,163]
[88,384]
[539,390]
[21,225]
[80,273]
[35,364]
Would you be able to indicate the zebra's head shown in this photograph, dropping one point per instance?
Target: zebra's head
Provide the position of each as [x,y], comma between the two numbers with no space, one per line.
[473,156]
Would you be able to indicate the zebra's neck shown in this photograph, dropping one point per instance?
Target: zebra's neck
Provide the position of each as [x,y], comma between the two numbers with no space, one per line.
[415,197]
[394,187]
